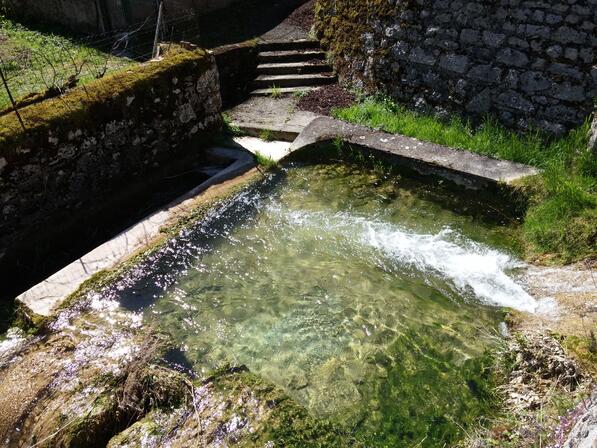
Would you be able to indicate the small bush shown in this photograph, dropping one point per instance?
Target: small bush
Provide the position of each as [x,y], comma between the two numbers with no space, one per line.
[231,128]
[266,135]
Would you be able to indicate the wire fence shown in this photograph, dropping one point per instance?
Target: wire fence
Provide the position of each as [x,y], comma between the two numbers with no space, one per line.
[35,66]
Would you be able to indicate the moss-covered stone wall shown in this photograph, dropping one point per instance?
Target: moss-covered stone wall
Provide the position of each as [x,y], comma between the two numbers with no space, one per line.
[237,66]
[529,63]
[79,150]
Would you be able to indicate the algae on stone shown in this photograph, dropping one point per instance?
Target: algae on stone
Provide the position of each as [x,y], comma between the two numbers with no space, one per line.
[233,406]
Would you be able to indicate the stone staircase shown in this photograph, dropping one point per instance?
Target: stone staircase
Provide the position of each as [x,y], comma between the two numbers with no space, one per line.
[292,67]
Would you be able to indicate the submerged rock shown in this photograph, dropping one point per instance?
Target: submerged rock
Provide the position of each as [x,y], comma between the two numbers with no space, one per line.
[232,407]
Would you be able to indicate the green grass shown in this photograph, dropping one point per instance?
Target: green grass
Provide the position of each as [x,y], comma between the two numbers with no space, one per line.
[230,127]
[300,94]
[35,62]
[275,92]
[265,161]
[561,222]
[266,135]
[85,106]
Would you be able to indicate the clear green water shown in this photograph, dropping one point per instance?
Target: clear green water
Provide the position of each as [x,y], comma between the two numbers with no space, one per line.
[371,300]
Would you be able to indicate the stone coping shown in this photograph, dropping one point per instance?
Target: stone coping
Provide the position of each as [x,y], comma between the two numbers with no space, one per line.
[46,297]
[462,167]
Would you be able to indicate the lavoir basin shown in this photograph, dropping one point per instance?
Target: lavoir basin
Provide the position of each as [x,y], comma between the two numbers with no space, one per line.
[373,300]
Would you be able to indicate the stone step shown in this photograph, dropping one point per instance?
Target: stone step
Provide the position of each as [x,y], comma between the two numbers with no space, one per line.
[301,44]
[284,91]
[316,79]
[299,68]
[269,57]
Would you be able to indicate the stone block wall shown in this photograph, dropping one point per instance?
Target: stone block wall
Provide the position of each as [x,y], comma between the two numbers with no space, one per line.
[80,150]
[530,63]
[237,66]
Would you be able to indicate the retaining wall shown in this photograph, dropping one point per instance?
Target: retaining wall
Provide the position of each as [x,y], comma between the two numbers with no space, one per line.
[530,63]
[237,66]
[80,149]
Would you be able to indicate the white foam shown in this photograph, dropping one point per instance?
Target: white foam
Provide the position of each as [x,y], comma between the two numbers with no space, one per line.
[469,266]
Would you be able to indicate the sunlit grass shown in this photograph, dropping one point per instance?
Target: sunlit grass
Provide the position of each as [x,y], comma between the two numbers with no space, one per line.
[275,92]
[561,222]
[230,127]
[265,161]
[34,61]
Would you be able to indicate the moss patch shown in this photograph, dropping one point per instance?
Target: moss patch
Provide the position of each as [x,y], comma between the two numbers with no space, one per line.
[84,106]
[340,27]
[235,406]
[583,350]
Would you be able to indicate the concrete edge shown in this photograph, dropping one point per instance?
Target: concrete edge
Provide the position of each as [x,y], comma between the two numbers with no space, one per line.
[462,167]
[275,132]
[46,297]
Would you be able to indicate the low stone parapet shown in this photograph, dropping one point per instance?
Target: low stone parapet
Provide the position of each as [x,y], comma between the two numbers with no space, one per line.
[79,151]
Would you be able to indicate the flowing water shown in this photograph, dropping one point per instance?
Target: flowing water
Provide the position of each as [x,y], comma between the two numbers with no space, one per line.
[371,300]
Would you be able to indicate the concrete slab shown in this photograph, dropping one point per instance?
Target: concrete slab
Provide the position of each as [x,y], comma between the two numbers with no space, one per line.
[46,297]
[294,80]
[275,150]
[278,116]
[462,167]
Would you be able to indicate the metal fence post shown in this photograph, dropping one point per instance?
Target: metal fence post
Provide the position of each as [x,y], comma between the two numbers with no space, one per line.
[156,43]
[12,100]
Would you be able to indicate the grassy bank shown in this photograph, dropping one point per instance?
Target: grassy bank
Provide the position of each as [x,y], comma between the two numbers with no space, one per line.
[34,62]
[561,222]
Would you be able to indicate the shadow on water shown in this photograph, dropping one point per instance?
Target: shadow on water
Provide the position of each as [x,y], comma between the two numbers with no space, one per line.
[489,206]
[177,360]
[157,274]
